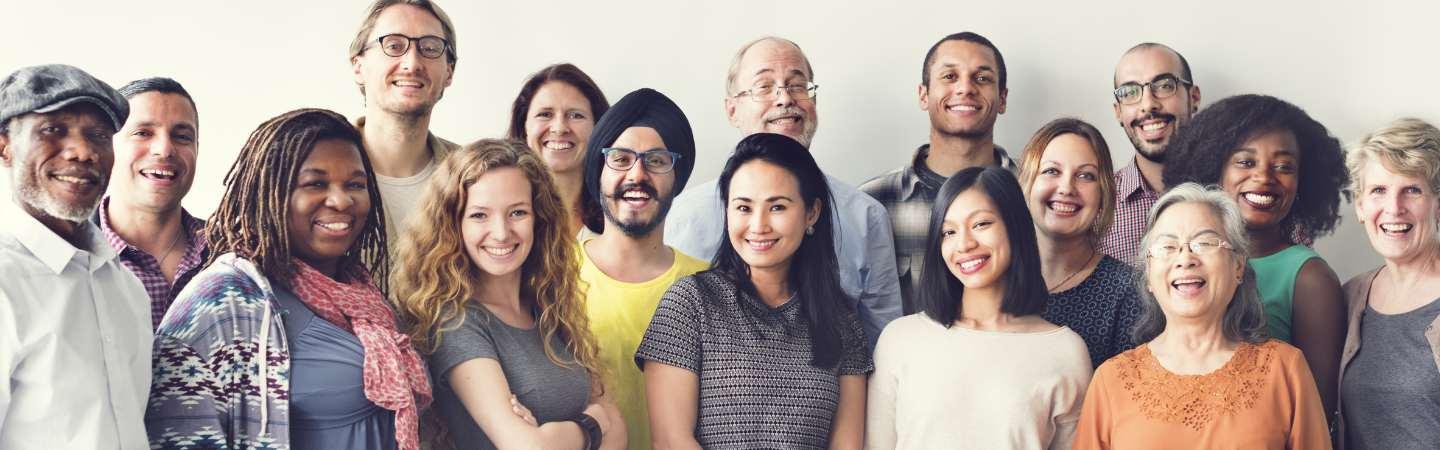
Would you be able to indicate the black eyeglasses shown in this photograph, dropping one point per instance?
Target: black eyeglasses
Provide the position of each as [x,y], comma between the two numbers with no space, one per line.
[396,45]
[655,161]
[1162,86]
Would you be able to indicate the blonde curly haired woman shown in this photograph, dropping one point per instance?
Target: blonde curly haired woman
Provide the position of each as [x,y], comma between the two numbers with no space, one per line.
[488,290]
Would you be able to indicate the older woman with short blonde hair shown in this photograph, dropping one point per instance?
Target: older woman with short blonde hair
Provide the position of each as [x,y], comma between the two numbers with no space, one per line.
[1390,386]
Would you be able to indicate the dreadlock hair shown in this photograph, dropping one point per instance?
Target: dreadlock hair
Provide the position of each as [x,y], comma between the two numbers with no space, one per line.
[251,218]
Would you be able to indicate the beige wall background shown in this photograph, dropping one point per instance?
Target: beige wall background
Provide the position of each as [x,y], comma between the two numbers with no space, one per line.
[1354,66]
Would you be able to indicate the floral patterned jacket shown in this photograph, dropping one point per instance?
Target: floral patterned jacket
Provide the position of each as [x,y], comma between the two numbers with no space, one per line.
[211,389]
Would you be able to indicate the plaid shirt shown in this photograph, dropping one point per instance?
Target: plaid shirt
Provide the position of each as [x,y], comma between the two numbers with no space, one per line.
[907,194]
[147,269]
[1133,199]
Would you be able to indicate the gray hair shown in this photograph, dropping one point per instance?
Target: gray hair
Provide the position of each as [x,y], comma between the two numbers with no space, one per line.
[740,55]
[1244,319]
[1409,147]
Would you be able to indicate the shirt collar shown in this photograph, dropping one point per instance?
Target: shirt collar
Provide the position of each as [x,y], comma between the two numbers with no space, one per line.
[1129,182]
[54,251]
[439,149]
[912,175]
[192,227]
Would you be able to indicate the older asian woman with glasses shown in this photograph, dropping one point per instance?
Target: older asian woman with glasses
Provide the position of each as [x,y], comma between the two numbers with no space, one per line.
[1205,375]
[1390,385]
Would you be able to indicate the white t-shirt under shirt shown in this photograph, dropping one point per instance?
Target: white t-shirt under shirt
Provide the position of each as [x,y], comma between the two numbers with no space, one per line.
[401,197]
[937,387]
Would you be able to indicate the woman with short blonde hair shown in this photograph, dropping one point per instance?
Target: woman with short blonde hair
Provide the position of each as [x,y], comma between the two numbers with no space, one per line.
[1390,385]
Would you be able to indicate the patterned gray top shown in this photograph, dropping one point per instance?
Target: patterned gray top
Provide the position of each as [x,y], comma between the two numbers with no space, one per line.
[757,386]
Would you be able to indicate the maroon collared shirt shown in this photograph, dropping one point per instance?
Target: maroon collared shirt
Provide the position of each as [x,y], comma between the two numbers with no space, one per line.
[147,268]
[1133,199]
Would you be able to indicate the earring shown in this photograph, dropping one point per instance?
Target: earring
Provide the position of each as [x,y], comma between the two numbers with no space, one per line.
[809,230]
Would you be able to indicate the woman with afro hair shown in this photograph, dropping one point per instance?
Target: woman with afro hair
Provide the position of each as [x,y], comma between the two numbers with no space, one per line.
[1286,172]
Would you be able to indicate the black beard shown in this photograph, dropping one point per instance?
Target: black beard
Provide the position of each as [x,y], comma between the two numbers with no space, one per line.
[631,229]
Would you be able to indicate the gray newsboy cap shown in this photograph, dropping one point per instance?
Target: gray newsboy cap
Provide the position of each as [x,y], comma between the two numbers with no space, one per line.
[48,88]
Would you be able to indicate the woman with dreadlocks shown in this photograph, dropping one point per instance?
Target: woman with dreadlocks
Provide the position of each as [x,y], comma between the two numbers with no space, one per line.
[284,340]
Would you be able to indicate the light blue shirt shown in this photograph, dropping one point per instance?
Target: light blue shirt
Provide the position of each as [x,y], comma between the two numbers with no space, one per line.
[864,245]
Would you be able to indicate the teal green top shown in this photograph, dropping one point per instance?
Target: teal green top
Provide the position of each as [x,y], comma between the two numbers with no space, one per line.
[1275,277]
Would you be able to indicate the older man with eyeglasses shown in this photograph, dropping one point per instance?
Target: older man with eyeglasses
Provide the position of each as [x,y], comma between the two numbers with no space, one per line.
[769,89]
[1155,94]
[403,57]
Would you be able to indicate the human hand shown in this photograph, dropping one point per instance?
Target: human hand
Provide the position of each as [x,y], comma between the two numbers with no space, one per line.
[522,412]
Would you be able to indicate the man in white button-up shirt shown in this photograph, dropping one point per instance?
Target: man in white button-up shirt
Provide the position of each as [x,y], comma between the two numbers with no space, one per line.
[74,324]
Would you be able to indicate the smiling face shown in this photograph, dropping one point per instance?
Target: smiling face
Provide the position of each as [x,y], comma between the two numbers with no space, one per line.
[409,84]
[59,161]
[155,152]
[1188,286]
[558,125]
[1400,213]
[1151,122]
[964,96]
[1263,175]
[765,215]
[772,63]
[635,200]
[498,225]
[974,242]
[328,204]
[1065,197]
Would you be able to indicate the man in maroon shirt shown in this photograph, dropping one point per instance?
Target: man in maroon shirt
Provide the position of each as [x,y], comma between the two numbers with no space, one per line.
[141,216]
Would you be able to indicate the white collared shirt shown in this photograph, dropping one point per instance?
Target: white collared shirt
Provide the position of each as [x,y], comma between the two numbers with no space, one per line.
[74,342]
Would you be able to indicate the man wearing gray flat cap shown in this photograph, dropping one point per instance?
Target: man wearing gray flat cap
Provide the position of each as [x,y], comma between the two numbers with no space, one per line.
[74,324]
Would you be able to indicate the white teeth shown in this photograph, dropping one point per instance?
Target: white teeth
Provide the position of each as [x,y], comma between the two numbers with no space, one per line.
[1153,126]
[559,145]
[407,84]
[1063,207]
[1260,199]
[336,226]
[762,245]
[971,264]
[965,108]
[636,195]
[1396,227]
[157,173]
[75,180]
[500,251]
[785,119]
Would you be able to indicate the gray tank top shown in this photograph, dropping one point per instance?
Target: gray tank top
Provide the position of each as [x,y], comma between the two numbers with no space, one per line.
[1391,389]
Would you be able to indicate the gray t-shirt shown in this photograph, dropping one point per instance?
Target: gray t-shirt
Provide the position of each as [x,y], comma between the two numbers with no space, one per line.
[1391,390]
[551,392]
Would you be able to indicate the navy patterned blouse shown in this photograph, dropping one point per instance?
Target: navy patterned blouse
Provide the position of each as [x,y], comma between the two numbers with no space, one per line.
[1101,309]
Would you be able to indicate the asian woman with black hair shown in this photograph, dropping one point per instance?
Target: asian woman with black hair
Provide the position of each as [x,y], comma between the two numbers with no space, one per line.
[978,367]
[764,350]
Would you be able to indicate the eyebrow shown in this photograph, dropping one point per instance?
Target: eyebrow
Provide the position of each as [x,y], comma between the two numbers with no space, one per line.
[510,206]
[312,170]
[982,68]
[181,125]
[775,198]
[1283,151]
[793,72]
[1193,236]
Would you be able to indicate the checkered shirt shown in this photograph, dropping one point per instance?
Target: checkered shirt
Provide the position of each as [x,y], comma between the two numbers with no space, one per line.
[147,268]
[1133,199]
[908,193]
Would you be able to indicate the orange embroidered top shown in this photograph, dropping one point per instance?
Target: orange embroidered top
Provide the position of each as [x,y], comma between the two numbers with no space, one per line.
[1262,398]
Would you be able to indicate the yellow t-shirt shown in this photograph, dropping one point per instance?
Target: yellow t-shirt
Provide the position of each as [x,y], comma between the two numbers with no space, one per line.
[619,314]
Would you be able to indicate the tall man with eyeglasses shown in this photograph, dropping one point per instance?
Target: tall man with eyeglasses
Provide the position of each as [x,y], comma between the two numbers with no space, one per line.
[1155,94]
[769,90]
[962,88]
[640,155]
[403,57]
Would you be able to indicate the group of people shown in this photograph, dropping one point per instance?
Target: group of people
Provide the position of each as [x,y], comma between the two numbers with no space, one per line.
[365,284]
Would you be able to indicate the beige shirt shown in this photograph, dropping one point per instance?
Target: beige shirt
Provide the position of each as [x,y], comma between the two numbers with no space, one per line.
[401,196]
[937,387]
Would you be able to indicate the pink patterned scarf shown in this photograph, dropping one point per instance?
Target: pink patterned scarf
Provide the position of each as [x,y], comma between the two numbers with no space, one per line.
[395,377]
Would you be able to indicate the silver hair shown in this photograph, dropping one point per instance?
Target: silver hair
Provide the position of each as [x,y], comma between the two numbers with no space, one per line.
[1244,318]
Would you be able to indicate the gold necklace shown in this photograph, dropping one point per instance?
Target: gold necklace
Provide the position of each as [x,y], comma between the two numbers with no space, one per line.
[1073,274]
